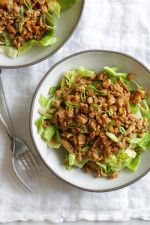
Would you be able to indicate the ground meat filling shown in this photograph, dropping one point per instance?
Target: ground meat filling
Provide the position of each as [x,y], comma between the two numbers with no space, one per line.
[22,20]
[86,121]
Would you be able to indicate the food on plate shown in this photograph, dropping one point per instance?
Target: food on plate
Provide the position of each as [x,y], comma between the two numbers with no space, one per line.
[25,23]
[99,119]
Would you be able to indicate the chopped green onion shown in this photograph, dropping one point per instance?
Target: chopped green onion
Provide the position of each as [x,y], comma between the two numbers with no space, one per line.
[71,104]
[110,111]
[21,23]
[28,4]
[83,95]
[72,158]
[112,137]
[72,125]
[95,90]
[85,149]
[122,130]
[113,123]
[96,82]
[94,105]
[91,86]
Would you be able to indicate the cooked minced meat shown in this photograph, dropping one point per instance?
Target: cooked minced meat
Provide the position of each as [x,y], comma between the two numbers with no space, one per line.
[88,121]
[22,20]
[95,112]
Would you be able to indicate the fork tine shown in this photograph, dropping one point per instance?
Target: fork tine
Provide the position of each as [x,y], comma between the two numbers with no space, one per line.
[33,160]
[30,163]
[24,163]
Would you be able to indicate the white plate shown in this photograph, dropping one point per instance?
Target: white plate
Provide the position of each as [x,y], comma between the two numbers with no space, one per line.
[53,158]
[65,27]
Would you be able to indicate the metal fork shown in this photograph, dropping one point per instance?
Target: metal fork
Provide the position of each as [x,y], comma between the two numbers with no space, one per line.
[24,162]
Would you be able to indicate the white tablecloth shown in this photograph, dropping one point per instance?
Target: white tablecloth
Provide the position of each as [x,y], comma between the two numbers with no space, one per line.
[106,24]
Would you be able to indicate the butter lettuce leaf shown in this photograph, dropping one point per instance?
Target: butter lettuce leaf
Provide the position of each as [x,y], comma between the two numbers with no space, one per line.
[120,160]
[143,142]
[112,71]
[55,142]
[85,72]
[66,4]
[134,164]
[48,133]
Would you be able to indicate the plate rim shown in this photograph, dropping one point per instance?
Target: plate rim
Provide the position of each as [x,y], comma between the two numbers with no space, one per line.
[56,50]
[31,116]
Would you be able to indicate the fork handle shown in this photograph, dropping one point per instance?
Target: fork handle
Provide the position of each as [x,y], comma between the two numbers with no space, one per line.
[9,128]
[5,126]
[8,132]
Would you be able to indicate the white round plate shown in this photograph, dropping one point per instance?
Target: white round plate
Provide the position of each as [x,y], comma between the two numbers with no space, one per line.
[65,27]
[96,60]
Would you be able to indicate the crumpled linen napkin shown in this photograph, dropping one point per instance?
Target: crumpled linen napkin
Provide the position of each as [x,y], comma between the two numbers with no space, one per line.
[121,25]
